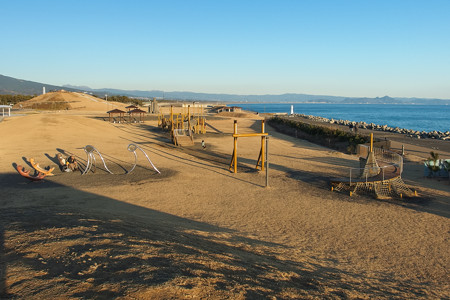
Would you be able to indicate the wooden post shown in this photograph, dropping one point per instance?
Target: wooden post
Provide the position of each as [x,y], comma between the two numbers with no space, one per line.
[371,142]
[267,160]
[189,117]
[171,119]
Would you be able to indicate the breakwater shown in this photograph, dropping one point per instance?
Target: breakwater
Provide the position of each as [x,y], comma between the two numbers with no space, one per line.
[363,125]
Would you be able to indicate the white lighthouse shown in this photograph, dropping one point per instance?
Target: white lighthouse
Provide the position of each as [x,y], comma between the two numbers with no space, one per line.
[292,109]
[43,90]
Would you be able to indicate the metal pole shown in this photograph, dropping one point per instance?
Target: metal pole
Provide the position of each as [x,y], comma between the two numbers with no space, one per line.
[262,145]
[235,147]
[267,161]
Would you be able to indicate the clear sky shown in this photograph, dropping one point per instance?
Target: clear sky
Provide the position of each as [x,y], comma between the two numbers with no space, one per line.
[343,48]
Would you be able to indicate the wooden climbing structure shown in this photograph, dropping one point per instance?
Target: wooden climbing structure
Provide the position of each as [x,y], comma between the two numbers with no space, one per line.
[183,126]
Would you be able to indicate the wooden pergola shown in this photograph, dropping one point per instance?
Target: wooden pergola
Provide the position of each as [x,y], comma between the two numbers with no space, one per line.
[138,111]
[116,111]
[131,107]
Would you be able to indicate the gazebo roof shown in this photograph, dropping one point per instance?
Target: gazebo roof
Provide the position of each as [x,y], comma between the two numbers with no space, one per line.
[131,106]
[115,111]
[136,111]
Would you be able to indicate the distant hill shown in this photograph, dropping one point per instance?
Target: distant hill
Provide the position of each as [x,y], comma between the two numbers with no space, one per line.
[11,86]
[377,100]
[389,100]
[212,97]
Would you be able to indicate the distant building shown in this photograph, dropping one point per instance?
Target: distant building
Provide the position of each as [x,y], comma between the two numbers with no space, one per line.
[222,108]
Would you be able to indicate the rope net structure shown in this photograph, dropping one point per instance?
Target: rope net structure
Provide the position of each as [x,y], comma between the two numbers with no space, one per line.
[380,176]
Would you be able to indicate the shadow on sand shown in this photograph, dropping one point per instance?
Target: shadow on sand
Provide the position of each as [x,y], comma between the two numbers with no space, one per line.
[57,240]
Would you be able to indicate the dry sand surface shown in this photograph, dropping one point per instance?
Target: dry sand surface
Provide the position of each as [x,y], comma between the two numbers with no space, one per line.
[199,231]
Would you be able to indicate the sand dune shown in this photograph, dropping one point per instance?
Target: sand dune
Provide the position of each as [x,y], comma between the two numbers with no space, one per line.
[70,101]
[198,231]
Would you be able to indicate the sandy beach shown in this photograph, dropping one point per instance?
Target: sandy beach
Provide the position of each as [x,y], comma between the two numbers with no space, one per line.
[199,231]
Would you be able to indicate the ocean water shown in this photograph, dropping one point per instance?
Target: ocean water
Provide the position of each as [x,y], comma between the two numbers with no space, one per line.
[416,117]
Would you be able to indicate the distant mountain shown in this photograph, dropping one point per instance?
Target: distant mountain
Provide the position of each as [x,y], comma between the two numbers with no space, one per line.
[13,86]
[9,85]
[389,100]
[377,100]
[212,97]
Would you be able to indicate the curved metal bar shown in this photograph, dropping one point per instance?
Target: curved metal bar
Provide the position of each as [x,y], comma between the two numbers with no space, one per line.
[104,164]
[135,162]
[88,162]
[133,148]
[91,159]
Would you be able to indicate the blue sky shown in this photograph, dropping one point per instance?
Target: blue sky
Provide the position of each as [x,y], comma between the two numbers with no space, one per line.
[342,48]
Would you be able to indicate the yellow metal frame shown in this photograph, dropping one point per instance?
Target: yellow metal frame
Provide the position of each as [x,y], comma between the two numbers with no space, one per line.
[260,161]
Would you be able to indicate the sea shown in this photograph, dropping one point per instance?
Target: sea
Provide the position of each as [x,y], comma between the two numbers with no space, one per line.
[417,117]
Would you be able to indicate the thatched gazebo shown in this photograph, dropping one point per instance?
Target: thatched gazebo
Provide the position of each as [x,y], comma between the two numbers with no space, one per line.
[116,111]
[139,112]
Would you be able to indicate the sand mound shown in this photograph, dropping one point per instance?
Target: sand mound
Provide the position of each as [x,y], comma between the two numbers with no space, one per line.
[63,100]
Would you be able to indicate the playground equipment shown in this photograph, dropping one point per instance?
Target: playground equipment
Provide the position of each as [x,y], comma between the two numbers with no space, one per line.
[26,173]
[133,148]
[184,124]
[183,137]
[91,159]
[380,176]
[263,135]
[41,170]
[91,150]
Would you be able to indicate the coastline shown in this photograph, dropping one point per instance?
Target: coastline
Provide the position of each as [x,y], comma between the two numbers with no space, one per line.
[376,127]
[416,149]
[419,119]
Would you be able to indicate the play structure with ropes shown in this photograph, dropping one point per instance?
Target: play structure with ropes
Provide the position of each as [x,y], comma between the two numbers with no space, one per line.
[379,175]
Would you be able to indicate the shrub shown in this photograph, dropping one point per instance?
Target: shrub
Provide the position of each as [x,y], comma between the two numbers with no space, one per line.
[320,134]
